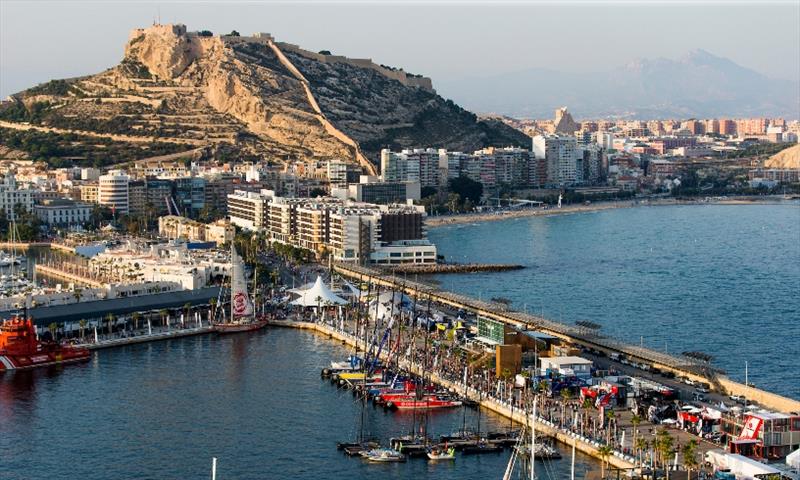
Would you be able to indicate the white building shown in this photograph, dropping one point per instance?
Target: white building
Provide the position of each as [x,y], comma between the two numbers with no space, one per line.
[63,212]
[113,191]
[249,210]
[11,196]
[562,156]
[566,366]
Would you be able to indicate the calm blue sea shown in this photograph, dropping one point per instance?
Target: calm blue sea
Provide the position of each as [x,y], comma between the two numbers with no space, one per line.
[722,279]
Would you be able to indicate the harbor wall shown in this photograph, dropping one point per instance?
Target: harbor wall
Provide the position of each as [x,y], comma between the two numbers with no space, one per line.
[681,366]
[542,426]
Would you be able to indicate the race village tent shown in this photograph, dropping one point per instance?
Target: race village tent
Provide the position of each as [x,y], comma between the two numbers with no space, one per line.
[317,295]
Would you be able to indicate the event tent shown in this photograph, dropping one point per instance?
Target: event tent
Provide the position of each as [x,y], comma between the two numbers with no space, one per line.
[317,295]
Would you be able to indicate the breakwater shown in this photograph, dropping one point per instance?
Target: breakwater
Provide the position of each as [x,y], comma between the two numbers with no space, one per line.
[690,368]
[428,269]
[543,426]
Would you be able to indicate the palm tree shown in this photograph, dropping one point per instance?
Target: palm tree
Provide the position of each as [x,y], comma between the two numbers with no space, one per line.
[689,453]
[604,451]
[635,421]
[163,314]
[77,293]
[136,317]
[110,321]
[566,395]
[664,444]
[641,445]
[82,324]
[187,307]
[53,327]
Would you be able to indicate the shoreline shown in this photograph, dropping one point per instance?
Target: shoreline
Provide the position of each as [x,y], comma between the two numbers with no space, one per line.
[466,218]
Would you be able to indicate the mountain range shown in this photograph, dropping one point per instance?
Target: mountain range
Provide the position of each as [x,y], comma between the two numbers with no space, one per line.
[700,84]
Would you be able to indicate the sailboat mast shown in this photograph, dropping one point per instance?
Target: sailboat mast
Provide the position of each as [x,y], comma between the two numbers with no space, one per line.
[533,440]
[233,273]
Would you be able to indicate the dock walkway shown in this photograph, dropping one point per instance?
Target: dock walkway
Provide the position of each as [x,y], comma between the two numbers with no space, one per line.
[693,369]
[617,459]
[153,337]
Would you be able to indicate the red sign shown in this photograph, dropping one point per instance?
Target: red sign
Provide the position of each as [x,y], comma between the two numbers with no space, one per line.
[752,425]
[239,303]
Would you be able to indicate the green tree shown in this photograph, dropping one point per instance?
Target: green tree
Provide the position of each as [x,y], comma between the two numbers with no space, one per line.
[604,451]
[82,325]
[110,322]
[53,327]
[467,188]
[136,317]
[163,314]
[689,454]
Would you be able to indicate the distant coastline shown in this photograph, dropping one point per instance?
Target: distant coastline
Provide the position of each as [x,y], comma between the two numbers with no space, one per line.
[463,218]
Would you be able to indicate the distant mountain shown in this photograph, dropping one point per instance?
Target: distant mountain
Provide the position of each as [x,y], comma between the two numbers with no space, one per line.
[699,84]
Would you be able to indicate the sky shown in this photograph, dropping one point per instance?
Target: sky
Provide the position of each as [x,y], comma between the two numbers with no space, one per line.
[446,40]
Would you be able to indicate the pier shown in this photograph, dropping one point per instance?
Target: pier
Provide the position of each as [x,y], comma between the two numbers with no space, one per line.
[544,427]
[425,269]
[70,272]
[152,337]
[691,368]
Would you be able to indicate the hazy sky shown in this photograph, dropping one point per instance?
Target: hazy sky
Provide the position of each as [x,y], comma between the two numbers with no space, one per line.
[42,40]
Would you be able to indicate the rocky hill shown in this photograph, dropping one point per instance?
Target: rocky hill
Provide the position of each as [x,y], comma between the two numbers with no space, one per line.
[243,97]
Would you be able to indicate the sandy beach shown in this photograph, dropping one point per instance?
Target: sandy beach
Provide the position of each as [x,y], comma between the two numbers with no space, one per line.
[442,220]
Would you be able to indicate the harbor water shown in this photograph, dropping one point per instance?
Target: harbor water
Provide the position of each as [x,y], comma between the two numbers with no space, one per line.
[256,402]
[721,279]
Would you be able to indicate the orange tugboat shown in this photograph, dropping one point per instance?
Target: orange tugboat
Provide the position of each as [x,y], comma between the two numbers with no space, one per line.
[20,349]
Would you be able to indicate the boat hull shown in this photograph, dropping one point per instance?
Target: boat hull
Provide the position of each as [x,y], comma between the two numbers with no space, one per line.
[45,359]
[239,327]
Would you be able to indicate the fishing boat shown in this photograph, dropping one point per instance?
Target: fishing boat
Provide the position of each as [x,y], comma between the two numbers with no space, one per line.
[383,455]
[20,349]
[243,318]
[441,453]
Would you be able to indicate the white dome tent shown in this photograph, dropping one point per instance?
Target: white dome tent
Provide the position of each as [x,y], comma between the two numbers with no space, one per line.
[317,295]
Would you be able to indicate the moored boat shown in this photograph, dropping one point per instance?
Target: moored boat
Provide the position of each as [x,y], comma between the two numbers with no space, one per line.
[383,455]
[243,318]
[427,402]
[20,349]
[441,453]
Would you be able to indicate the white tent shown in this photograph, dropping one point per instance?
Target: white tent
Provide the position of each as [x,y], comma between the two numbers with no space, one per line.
[793,459]
[318,295]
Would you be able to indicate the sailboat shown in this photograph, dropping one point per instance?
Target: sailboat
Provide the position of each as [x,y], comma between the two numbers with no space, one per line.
[243,318]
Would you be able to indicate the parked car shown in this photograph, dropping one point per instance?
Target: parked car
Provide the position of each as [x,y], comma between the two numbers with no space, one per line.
[737,398]
[702,389]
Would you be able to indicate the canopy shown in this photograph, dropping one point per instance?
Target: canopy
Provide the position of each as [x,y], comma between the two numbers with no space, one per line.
[793,459]
[318,295]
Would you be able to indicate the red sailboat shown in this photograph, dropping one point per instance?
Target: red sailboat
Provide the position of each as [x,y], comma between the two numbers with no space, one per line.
[20,349]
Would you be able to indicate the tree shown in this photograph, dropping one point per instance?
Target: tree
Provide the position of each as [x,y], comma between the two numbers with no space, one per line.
[663,445]
[77,293]
[453,202]
[635,421]
[53,327]
[641,445]
[164,315]
[604,451]
[689,453]
[110,321]
[187,308]
[467,188]
[136,317]
[82,325]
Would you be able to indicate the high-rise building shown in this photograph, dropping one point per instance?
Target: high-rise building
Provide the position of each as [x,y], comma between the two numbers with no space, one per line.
[562,155]
[113,191]
[12,197]
[137,198]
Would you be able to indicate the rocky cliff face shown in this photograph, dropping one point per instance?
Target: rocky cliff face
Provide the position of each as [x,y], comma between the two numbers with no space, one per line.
[255,98]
